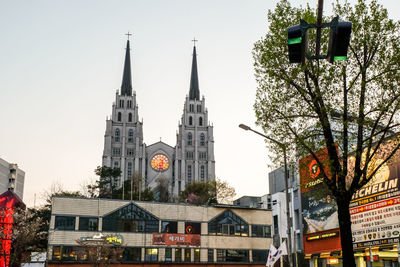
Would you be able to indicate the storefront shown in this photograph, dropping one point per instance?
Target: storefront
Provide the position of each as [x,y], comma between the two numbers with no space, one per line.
[114,231]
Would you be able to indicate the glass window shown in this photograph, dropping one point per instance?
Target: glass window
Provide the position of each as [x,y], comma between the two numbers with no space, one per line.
[178,254]
[88,224]
[117,135]
[116,164]
[228,223]
[190,120]
[189,174]
[232,255]
[129,152]
[129,170]
[188,257]
[202,139]
[261,230]
[169,227]
[210,255]
[276,225]
[192,228]
[191,107]
[200,121]
[130,117]
[189,139]
[121,103]
[259,256]
[196,255]
[116,151]
[130,218]
[130,135]
[132,254]
[168,254]
[198,108]
[202,172]
[64,223]
[119,116]
[151,254]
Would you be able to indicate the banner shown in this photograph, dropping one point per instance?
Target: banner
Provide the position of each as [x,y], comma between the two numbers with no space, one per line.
[176,239]
[375,208]
[275,254]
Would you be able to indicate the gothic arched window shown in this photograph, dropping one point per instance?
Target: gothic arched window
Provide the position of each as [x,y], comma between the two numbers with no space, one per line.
[130,135]
[189,139]
[119,116]
[130,117]
[190,120]
[117,135]
[200,121]
[202,139]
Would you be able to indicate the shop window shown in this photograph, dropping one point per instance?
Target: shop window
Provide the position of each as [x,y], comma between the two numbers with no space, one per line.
[132,254]
[64,223]
[178,255]
[261,230]
[210,255]
[232,255]
[168,254]
[228,223]
[259,256]
[196,255]
[169,227]
[88,224]
[188,255]
[193,228]
[130,218]
[151,254]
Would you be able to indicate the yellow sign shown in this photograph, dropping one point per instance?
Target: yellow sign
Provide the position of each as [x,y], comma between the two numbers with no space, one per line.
[333,261]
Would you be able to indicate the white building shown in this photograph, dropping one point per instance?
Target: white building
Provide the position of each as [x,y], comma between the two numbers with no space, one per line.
[192,157]
[11,178]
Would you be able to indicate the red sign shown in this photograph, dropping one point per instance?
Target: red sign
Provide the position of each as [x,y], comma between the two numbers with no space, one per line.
[176,239]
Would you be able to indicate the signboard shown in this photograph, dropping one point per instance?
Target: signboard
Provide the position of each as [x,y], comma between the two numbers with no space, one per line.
[110,239]
[375,208]
[320,212]
[176,239]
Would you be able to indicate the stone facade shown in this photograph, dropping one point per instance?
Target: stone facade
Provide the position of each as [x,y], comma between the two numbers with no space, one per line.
[191,159]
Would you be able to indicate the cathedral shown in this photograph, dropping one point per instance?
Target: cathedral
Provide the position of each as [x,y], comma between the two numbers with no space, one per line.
[190,160]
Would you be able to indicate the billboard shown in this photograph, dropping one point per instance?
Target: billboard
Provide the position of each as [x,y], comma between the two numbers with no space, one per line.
[375,208]
[320,212]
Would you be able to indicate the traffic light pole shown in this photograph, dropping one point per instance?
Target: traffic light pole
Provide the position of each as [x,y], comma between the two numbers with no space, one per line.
[319,27]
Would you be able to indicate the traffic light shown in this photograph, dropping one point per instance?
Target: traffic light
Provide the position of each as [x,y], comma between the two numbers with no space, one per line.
[297,42]
[339,40]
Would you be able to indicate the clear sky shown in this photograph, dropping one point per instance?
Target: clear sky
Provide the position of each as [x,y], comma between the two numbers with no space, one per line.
[61,63]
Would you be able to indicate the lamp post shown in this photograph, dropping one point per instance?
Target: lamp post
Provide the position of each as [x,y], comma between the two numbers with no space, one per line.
[283,147]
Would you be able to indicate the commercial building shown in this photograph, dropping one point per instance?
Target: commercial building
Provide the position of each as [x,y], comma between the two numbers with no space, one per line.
[152,232]
[192,157]
[11,178]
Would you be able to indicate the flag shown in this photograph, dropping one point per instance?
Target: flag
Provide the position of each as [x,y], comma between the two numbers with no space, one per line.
[271,257]
[275,254]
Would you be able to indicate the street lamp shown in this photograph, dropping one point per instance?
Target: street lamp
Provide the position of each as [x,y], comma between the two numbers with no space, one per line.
[283,147]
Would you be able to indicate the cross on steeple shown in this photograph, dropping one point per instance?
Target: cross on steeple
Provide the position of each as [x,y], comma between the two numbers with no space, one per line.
[128,34]
[194,41]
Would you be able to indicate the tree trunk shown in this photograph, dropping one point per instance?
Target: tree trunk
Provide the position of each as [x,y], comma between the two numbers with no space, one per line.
[345,232]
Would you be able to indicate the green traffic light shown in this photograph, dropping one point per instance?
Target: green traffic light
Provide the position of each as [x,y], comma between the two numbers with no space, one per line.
[294,40]
[339,58]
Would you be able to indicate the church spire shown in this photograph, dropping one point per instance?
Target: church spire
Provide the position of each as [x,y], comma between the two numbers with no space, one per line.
[194,92]
[126,87]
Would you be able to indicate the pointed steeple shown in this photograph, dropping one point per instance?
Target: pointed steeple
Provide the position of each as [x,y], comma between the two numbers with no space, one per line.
[126,87]
[194,92]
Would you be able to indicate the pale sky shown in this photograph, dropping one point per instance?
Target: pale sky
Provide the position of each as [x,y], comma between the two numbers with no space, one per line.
[61,63]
